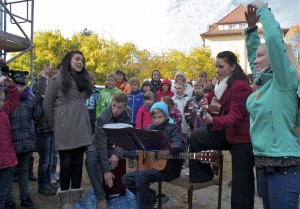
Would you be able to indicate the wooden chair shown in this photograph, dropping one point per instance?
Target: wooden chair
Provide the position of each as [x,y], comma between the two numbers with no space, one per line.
[184,182]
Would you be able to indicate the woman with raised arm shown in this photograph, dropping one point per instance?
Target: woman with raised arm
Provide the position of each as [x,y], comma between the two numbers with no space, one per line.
[273,108]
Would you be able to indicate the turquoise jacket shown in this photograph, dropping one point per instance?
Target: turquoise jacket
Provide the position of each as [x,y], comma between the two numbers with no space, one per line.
[273,106]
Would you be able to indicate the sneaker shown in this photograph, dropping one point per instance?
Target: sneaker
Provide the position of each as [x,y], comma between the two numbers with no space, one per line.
[164,200]
[47,190]
[27,203]
[10,205]
[54,187]
[32,177]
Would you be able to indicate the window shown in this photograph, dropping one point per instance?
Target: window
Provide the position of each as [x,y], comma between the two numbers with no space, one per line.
[243,25]
[231,26]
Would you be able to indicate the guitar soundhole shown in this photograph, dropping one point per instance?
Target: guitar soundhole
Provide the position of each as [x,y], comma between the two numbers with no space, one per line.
[155,157]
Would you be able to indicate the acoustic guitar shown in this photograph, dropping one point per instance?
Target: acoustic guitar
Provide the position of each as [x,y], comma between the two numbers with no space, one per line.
[148,159]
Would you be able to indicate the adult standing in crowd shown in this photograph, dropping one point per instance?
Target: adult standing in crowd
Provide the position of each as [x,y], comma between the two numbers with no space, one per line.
[45,136]
[64,105]
[122,83]
[155,81]
[273,108]
[229,130]
[21,122]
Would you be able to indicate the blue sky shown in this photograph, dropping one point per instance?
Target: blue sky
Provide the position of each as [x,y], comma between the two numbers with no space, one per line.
[155,25]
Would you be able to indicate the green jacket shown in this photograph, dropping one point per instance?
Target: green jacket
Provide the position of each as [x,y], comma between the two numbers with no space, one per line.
[273,106]
[104,99]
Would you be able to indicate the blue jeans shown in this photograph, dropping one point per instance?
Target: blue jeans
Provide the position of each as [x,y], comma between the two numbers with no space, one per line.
[22,173]
[54,163]
[45,147]
[92,164]
[71,162]
[4,179]
[280,189]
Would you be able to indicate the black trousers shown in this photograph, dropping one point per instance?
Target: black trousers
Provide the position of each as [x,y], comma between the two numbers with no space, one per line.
[71,162]
[242,193]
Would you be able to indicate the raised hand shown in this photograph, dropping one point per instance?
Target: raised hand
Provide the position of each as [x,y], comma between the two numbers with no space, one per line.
[251,16]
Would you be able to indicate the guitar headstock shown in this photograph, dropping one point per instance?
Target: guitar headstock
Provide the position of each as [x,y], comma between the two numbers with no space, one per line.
[208,156]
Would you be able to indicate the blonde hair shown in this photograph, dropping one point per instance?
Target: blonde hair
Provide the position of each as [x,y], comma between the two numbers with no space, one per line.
[179,73]
[134,80]
[292,59]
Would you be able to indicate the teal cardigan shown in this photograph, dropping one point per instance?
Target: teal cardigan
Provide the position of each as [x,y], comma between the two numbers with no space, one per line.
[274,104]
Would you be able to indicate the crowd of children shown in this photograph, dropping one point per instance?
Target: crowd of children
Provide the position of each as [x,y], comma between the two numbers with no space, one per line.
[179,105]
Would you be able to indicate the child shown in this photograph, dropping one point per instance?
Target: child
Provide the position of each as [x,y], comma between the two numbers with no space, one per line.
[180,99]
[192,104]
[146,86]
[91,104]
[135,98]
[174,113]
[164,90]
[161,122]
[199,120]
[8,158]
[105,95]
[143,117]
[21,122]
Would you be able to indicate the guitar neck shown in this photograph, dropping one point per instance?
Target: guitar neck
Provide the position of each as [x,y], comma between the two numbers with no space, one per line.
[182,155]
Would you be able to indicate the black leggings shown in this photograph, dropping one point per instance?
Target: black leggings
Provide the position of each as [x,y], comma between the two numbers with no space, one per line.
[71,162]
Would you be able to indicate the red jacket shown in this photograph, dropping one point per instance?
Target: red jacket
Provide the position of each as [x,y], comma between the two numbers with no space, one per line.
[160,94]
[235,121]
[143,118]
[8,156]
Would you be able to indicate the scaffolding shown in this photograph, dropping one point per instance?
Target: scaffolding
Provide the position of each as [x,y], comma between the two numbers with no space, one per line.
[9,41]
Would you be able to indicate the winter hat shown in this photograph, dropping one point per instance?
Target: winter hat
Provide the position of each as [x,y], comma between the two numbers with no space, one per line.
[163,107]
[19,77]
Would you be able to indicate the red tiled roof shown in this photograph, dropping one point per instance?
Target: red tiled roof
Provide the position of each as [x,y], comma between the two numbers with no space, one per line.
[236,16]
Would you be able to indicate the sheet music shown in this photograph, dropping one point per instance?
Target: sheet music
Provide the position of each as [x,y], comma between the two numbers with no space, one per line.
[117,125]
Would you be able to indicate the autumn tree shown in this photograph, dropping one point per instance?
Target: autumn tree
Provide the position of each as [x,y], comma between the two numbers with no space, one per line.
[293,38]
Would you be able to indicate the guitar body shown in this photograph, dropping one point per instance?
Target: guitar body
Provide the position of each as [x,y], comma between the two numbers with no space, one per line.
[148,160]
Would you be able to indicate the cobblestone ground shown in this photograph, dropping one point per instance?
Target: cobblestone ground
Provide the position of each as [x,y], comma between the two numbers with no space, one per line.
[204,198]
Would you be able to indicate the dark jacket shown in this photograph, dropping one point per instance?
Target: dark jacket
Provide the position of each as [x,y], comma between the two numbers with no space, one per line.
[42,125]
[191,107]
[177,140]
[102,144]
[22,125]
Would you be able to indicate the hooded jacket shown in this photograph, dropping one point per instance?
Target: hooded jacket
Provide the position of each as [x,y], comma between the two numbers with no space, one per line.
[160,93]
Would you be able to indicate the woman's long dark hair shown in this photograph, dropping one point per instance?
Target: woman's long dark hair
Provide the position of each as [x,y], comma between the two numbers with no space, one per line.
[238,73]
[65,68]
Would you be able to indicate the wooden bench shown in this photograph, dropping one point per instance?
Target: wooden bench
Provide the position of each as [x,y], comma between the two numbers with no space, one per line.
[184,182]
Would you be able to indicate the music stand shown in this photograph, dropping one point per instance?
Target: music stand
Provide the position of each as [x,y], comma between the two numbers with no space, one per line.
[130,138]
